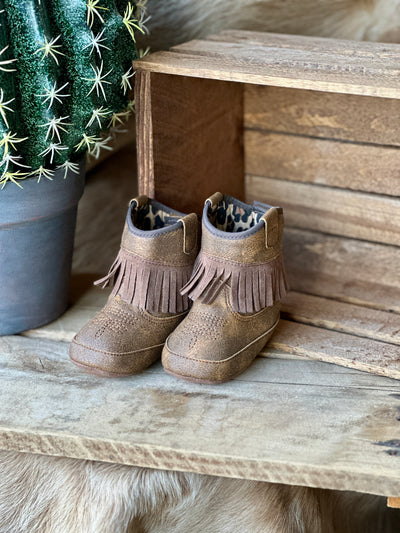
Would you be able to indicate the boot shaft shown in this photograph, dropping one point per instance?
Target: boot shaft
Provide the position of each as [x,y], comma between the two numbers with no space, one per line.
[158,249]
[241,247]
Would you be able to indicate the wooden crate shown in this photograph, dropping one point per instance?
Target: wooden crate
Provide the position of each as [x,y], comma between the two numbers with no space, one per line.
[288,418]
[312,125]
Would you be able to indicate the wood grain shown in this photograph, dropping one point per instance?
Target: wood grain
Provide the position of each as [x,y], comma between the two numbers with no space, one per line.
[193,130]
[331,210]
[346,165]
[144,133]
[354,51]
[338,348]
[348,270]
[235,431]
[394,503]
[286,61]
[320,114]
[342,317]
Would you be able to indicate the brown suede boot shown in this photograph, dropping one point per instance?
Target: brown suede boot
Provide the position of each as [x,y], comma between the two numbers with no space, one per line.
[158,249]
[237,282]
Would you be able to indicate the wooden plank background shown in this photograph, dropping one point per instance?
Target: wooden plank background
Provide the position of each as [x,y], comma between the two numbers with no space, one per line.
[333,162]
[350,418]
[363,167]
[322,114]
[348,270]
[330,209]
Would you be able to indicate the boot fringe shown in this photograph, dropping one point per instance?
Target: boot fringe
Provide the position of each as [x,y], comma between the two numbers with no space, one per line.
[253,286]
[147,284]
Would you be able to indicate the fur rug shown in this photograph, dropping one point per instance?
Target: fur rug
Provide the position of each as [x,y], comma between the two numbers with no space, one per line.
[56,495]
[176,21]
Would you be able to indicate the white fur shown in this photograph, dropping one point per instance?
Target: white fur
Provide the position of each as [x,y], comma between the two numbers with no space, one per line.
[41,494]
[175,21]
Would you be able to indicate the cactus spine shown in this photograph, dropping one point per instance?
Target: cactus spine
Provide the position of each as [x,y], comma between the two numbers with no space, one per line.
[65,77]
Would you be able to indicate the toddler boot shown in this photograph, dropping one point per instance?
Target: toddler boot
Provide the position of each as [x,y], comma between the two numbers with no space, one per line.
[158,249]
[236,285]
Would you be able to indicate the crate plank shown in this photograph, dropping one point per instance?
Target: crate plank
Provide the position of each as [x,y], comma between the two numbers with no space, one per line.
[191,134]
[394,503]
[339,348]
[144,133]
[343,317]
[344,56]
[342,66]
[319,114]
[355,51]
[346,165]
[156,421]
[348,270]
[331,210]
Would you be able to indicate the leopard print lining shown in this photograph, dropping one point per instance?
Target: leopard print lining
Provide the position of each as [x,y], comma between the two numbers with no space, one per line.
[232,218]
[150,217]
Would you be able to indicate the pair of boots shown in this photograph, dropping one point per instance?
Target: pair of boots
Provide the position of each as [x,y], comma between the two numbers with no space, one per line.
[235,281]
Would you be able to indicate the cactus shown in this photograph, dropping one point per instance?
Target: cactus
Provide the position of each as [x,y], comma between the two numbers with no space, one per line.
[65,78]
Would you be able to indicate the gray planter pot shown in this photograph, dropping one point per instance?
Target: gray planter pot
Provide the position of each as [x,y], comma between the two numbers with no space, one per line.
[37,228]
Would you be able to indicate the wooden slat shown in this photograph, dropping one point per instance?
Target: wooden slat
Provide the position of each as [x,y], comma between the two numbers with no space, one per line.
[339,348]
[326,115]
[346,165]
[327,55]
[341,66]
[354,51]
[192,133]
[344,269]
[343,317]
[394,503]
[331,210]
[144,133]
[157,421]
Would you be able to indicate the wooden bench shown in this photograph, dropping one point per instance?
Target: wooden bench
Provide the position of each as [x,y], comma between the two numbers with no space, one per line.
[309,124]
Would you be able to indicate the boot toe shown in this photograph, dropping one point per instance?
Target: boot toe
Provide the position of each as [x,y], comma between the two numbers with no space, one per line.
[109,364]
[191,366]
[104,346]
[112,364]
[210,359]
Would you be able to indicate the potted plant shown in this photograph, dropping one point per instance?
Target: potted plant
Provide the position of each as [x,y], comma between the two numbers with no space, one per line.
[65,77]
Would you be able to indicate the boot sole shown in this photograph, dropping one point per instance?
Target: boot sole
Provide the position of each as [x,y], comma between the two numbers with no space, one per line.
[155,354]
[201,381]
[100,373]
[247,360]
